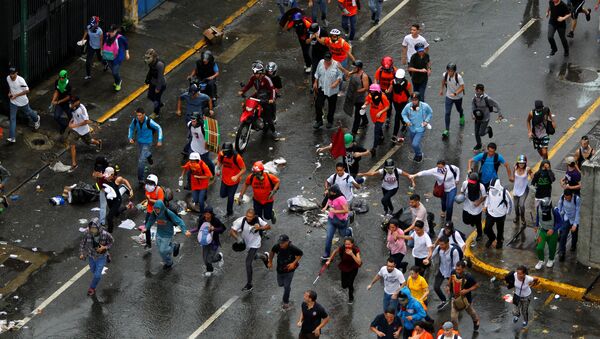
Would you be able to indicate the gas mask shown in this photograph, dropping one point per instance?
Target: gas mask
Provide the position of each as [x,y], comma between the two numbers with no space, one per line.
[150,57]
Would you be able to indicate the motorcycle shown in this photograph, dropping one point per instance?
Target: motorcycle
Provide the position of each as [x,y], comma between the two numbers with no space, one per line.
[250,119]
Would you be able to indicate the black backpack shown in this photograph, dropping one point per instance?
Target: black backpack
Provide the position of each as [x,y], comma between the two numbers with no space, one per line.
[453,247]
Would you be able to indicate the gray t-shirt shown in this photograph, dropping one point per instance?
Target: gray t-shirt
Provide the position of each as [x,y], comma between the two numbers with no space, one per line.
[453,83]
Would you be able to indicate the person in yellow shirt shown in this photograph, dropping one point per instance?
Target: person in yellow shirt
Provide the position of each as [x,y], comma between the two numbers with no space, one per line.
[418,285]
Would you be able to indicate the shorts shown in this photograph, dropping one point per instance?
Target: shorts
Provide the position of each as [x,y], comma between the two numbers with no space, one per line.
[470,219]
[73,137]
[576,8]
[539,143]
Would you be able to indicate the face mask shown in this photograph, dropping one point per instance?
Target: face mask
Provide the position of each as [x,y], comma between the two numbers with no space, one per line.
[94,231]
[260,176]
[150,188]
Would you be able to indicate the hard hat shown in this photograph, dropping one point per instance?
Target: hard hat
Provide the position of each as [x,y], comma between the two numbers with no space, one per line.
[152,179]
[348,139]
[387,62]
[194,156]
[258,167]
[400,73]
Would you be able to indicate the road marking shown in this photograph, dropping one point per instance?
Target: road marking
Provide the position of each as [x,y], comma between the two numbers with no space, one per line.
[509,42]
[173,64]
[385,157]
[385,18]
[213,317]
[45,303]
[234,50]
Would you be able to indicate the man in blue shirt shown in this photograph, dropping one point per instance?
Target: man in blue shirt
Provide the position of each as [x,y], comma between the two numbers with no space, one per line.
[490,162]
[416,116]
[95,39]
[569,205]
[195,102]
[142,128]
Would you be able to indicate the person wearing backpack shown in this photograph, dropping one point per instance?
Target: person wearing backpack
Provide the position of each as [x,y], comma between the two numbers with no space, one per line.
[199,175]
[94,246]
[446,181]
[498,205]
[490,163]
[454,85]
[338,210]
[390,176]
[521,282]
[449,256]
[569,206]
[197,142]
[548,223]
[482,106]
[264,186]
[540,125]
[448,332]
[475,195]
[165,220]
[401,90]
[155,79]
[542,180]
[384,75]
[461,285]
[115,49]
[455,236]
[142,128]
[209,229]
[344,180]
[521,189]
[231,167]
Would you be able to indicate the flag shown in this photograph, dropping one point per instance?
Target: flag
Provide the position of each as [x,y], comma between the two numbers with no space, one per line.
[338,147]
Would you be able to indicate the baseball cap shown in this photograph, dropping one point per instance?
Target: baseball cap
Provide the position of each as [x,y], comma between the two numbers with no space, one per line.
[12,70]
[283,238]
[109,171]
[570,160]
[447,326]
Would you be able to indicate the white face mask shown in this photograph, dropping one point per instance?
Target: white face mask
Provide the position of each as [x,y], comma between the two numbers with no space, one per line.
[150,188]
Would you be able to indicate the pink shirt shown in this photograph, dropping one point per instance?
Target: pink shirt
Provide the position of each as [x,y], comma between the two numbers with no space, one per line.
[396,246]
[338,204]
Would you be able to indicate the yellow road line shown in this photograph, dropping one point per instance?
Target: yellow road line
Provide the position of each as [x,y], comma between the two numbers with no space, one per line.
[173,64]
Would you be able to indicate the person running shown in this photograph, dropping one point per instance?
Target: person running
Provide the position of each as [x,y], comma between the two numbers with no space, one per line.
[379,105]
[79,130]
[206,72]
[197,142]
[209,228]
[522,295]
[384,75]
[111,188]
[390,176]
[231,167]
[301,25]
[375,6]
[354,153]
[584,151]
[419,288]
[498,205]
[419,68]
[94,247]
[349,10]
[542,180]
[449,256]
[4,178]
[548,222]
[387,325]
[569,207]
[264,186]
[455,237]
[143,129]
[153,193]
[165,219]
[416,115]
[422,245]
[328,77]
[199,176]
[557,13]
[248,229]
[454,85]
[521,189]
[17,94]
[358,87]
[350,262]
[448,332]
[393,281]
[419,213]
[344,181]
[340,49]
[93,45]
[475,195]
[446,176]
[401,91]
[61,98]
[321,5]
[482,106]
[312,318]
[338,210]
[539,122]
[460,286]
[155,79]
[264,91]
[576,8]
[196,103]
[115,50]
[490,162]
[572,179]
[288,260]
[396,244]
[410,41]
[410,311]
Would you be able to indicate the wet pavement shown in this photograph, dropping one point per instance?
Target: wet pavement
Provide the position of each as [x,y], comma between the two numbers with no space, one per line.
[137,299]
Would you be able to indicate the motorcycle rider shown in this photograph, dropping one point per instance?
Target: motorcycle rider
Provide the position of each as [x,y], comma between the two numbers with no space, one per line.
[277,82]
[206,71]
[265,92]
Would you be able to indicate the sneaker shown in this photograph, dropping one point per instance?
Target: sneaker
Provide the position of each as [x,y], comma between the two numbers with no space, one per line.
[394,139]
[566,53]
[167,267]
[73,168]
[476,148]
[373,152]
[350,231]
[515,319]
[274,217]
[275,135]
[91,291]
[324,258]
[36,125]
[87,77]
[247,288]
[570,34]
[150,160]
[221,261]
[524,324]
[118,86]
[461,121]
[266,259]
[148,247]
[588,15]
[539,265]
[561,257]
[550,263]
[308,69]
[473,243]
[442,305]
[445,133]
[328,125]
[387,124]
[207,274]
[317,124]
[154,116]
[490,132]
[176,249]
[488,244]
[551,53]
[285,307]
[11,140]
[351,300]
[499,245]
[476,326]
[99,146]
[418,158]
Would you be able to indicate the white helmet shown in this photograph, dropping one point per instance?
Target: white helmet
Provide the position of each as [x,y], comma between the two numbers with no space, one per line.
[152,178]
[194,156]
[335,31]
[400,73]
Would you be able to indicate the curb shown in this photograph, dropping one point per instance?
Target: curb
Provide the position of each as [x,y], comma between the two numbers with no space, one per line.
[570,291]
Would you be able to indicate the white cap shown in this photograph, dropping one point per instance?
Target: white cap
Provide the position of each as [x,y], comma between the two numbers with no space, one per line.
[153,178]
[400,73]
[108,172]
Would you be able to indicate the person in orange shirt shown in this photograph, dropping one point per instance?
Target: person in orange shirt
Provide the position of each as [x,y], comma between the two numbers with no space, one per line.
[349,10]
[419,332]
[153,194]
[340,49]
[200,175]
[264,186]
[400,89]
[379,105]
[231,167]
[384,76]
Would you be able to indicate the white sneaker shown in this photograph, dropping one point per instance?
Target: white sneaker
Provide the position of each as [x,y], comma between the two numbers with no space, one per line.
[221,262]
[36,125]
[207,274]
[308,69]
[550,263]
[539,265]
[11,140]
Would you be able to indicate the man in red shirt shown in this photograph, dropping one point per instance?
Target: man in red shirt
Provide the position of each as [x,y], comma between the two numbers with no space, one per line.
[384,76]
[264,186]
[379,105]
[231,167]
[349,10]
[266,92]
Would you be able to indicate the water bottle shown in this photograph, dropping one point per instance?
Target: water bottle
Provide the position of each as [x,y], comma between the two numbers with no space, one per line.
[180,181]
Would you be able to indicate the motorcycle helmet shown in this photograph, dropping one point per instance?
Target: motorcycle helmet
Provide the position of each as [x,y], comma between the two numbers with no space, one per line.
[297,16]
[258,68]
[258,167]
[387,62]
[272,68]
[194,89]
[451,67]
[207,56]
[348,139]
[522,159]
[389,163]
[314,28]
[400,74]
[152,179]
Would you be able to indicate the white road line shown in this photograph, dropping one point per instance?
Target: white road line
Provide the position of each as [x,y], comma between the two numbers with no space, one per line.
[509,42]
[214,317]
[382,21]
[45,303]
[386,156]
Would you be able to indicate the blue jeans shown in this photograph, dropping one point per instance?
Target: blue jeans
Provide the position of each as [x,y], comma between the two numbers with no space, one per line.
[206,158]
[334,224]
[165,248]
[199,197]
[228,192]
[115,68]
[322,5]
[378,134]
[349,20]
[285,280]
[96,266]
[448,203]
[415,138]
[448,105]
[103,204]
[421,89]
[31,114]
[58,117]
[389,302]
[375,7]
[144,151]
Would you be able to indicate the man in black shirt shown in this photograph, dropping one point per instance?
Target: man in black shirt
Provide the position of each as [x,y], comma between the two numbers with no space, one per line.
[460,286]
[317,50]
[313,317]
[386,325]
[419,67]
[288,258]
[558,13]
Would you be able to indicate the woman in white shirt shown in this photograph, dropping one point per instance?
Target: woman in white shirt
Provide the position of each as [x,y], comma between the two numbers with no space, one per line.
[446,175]
[521,188]
[475,195]
[522,295]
